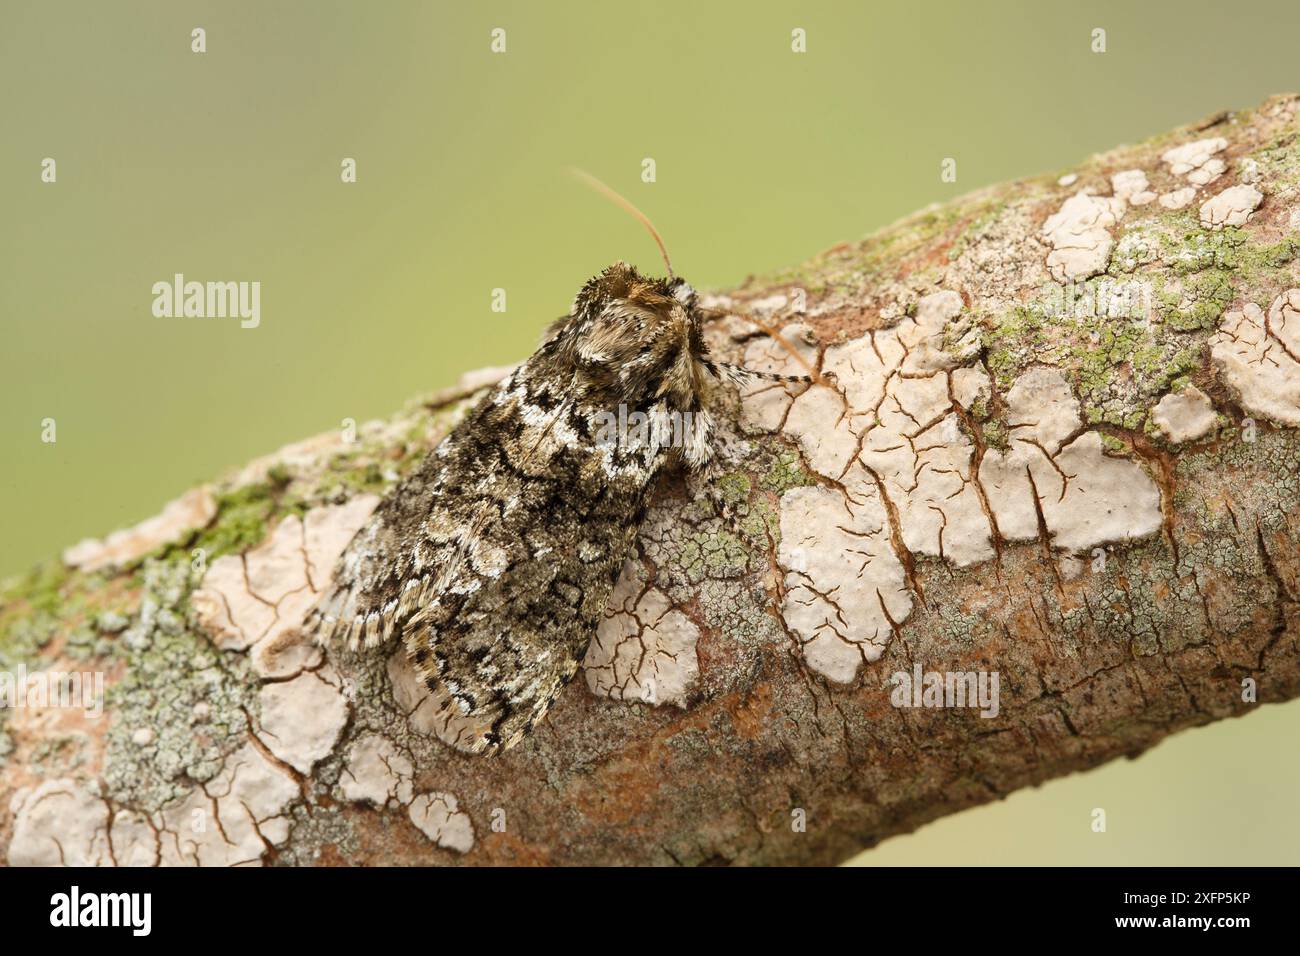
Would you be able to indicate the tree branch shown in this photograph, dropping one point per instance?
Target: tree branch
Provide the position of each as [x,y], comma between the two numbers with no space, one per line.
[1054,466]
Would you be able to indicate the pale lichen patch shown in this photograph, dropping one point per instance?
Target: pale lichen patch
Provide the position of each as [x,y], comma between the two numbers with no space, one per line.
[412,695]
[1080,237]
[644,648]
[59,823]
[890,435]
[303,718]
[440,819]
[258,599]
[818,418]
[1258,355]
[1232,207]
[1103,499]
[1185,415]
[1198,161]
[248,801]
[1178,198]
[843,581]
[1042,410]
[376,772]
[230,820]
[922,336]
[134,838]
[971,386]
[1055,473]
[1132,186]
[765,404]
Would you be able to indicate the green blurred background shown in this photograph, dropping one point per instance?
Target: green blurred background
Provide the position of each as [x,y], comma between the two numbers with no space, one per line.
[226,166]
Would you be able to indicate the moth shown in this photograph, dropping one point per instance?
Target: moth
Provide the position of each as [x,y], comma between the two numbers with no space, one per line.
[494,560]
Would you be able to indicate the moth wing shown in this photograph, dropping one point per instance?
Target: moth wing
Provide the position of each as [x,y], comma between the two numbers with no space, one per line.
[416,537]
[553,518]
[495,559]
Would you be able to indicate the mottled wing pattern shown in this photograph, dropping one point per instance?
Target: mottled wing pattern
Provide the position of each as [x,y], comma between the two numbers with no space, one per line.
[494,561]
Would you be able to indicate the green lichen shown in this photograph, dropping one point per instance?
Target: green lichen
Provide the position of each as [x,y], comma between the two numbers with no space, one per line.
[37,606]
[379,462]
[761,524]
[996,434]
[1121,351]
[35,609]
[1101,338]
[1008,339]
[246,514]
[24,636]
[194,699]
[1113,444]
[719,554]
[1188,248]
[785,473]
[347,474]
[242,521]
[40,588]
[976,229]
[1278,161]
[1201,302]
[1221,263]
[734,487]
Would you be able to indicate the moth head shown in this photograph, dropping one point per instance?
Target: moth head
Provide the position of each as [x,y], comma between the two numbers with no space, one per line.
[620,276]
[638,338]
[642,338]
[622,281]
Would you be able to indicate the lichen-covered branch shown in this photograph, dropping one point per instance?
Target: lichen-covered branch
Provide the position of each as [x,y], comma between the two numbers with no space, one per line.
[1052,464]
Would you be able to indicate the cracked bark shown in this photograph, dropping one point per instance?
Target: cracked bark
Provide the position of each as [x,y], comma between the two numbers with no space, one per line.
[1095,662]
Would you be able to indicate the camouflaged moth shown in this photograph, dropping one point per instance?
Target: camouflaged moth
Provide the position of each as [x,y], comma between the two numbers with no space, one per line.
[494,560]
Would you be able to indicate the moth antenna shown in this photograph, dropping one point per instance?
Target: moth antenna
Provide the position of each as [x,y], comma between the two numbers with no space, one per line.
[614,197]
[812,376]
[737,373]
[617,199]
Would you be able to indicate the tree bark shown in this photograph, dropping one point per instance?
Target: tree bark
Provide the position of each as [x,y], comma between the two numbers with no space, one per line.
[1056,448]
